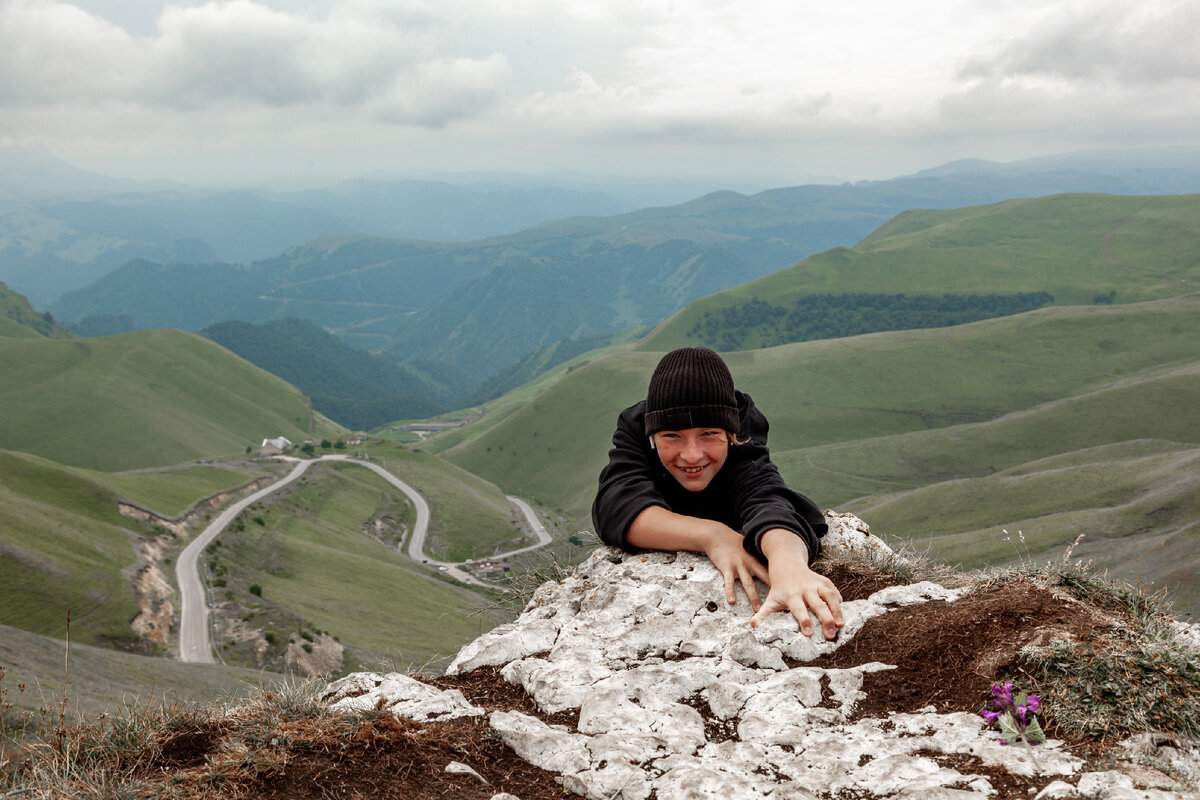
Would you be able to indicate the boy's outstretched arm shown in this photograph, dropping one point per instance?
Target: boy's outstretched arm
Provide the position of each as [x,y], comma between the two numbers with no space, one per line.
[795,587]
[657,528]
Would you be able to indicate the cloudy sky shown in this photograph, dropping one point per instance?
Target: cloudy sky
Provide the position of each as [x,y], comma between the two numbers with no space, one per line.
[755,89]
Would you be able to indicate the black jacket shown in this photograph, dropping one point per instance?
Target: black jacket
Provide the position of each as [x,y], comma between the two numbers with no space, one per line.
[747,494]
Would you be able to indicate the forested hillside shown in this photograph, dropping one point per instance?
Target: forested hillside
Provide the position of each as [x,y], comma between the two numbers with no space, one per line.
[360,390]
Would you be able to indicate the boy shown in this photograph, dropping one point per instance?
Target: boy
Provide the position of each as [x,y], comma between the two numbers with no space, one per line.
[689,470]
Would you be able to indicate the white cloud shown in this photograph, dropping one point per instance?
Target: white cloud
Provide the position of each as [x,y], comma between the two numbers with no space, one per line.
[1121,42]
[1112,72]
[679,85]
[398,66]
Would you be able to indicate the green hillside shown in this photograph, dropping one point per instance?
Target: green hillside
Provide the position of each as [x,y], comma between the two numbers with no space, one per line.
[361,390]
[108,681]
[63,545]
[1078,248]
[142,399]
[893,412]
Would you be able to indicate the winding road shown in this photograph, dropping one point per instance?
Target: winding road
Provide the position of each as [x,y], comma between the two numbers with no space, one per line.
[195,643]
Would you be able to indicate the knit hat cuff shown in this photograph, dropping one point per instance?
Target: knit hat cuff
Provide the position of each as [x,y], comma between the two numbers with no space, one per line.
[680,418]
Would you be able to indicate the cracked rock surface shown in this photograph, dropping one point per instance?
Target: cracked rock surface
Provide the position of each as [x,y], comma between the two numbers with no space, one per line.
[678,698]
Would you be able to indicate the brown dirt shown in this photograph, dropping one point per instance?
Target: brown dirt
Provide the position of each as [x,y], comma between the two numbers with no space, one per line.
[948,655]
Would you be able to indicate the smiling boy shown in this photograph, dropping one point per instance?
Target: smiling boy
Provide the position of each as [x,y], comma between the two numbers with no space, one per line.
[689,470]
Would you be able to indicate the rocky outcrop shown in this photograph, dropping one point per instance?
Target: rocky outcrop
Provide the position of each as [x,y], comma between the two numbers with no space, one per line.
[674,697]
[237,631]
[152,594]
[320,655]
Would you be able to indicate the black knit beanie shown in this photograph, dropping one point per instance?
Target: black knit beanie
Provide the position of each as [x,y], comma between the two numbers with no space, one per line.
[691,388]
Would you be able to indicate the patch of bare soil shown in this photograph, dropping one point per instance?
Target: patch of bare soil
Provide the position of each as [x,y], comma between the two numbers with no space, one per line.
[855,582]
[948,655]
[378,757]
[401,759]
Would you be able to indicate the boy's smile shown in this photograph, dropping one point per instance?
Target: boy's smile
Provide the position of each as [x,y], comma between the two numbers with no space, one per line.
[693,456]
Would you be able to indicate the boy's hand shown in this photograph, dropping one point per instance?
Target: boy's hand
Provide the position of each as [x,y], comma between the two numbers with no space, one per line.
[797,588]
[724,549]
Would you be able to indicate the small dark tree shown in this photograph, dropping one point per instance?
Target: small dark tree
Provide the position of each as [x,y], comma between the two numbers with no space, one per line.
[256,590]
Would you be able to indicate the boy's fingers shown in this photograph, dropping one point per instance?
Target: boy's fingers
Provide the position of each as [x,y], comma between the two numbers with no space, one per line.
[768,608]
[828,613]
[751,590]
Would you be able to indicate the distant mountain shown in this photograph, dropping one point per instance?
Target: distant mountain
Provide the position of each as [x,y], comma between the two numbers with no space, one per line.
[445,212]
[31,174]
[481,305]
[357,389]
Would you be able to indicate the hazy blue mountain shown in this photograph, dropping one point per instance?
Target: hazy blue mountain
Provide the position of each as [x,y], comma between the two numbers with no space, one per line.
[445,212]
[483,304]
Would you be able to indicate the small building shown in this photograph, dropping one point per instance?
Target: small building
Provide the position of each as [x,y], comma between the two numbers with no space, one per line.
[275,447]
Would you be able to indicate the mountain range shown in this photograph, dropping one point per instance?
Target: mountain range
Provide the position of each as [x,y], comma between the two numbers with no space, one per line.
[480,305]
[1067,411]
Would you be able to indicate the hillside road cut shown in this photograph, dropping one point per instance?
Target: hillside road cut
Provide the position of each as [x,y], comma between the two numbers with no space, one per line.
[195,642]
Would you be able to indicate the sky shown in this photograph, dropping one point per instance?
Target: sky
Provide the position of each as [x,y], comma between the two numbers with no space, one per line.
[770,90]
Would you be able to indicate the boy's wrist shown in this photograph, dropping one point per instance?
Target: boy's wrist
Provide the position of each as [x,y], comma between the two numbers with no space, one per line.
[781,543]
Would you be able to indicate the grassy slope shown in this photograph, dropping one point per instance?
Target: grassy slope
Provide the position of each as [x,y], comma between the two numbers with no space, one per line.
[12,328]
[63,545]
[845,390]
[172,492]
[107,681]
[312,557]
[888,413]
[1072,246]
[141,399]
[469,515]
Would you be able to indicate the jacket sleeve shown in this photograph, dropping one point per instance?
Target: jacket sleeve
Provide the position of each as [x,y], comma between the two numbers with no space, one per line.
[763,501]
[627,482]
[761,498]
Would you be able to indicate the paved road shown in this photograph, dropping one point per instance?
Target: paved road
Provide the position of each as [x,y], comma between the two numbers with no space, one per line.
[195,644]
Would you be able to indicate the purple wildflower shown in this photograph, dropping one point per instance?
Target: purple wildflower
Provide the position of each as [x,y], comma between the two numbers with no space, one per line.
[1015,716]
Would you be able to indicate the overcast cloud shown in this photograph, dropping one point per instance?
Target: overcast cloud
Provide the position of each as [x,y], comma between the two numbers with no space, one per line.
[255,89]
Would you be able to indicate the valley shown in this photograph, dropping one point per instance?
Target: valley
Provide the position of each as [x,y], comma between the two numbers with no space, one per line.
[981,384]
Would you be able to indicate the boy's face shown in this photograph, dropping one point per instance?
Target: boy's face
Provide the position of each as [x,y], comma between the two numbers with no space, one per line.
[692,456]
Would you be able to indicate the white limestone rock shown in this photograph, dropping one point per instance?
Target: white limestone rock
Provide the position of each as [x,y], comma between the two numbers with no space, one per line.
[400,694]
[459,768]
[678,698]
